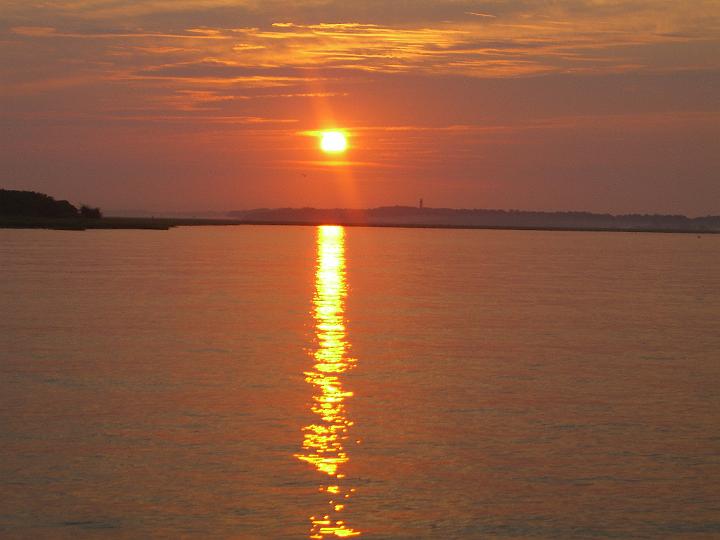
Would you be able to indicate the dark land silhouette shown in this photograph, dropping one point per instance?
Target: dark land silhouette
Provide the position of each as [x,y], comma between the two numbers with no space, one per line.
[33,210]
[31,204]
[407,216]
[29,209]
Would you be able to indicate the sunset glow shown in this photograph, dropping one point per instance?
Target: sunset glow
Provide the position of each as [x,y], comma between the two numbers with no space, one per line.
[325,440]
[333,142]
[567,105]
[322,269]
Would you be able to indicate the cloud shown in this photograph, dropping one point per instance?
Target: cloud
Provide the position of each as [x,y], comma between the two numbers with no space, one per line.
[49,32]
[505,39]
[212,55]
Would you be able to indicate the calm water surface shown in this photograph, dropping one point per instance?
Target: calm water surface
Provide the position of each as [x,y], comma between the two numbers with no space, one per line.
[278,382]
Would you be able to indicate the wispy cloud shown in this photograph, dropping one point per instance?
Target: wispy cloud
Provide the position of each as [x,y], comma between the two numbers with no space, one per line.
[49,32]
[188,64]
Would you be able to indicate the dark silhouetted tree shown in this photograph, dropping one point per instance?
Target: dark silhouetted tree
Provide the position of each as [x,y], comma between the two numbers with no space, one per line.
[32,204]
[89,212]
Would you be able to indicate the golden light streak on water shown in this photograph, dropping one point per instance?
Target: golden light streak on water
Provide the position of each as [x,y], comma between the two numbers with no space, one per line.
[324,441]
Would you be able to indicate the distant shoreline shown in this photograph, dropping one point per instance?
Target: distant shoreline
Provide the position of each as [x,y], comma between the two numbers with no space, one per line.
[163,224]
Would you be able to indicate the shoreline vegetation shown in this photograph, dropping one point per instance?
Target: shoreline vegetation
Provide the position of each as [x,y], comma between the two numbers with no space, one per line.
[30,210]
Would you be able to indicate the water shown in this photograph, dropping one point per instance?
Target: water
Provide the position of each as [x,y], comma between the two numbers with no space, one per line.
[279,382]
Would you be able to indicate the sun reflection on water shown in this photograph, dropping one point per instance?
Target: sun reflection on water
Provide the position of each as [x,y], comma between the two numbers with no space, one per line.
[325,440]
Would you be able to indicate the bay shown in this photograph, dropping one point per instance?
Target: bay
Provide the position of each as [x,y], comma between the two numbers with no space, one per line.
[290,382]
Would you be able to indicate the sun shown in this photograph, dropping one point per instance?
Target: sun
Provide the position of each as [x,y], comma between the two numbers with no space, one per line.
[333,142]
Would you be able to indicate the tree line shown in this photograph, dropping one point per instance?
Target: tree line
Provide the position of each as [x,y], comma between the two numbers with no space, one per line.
[15,203]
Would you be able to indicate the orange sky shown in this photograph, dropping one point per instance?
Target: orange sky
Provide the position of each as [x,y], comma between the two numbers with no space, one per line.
[158,105]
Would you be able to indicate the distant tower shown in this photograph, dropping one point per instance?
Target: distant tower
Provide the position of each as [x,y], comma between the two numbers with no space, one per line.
[421,204]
